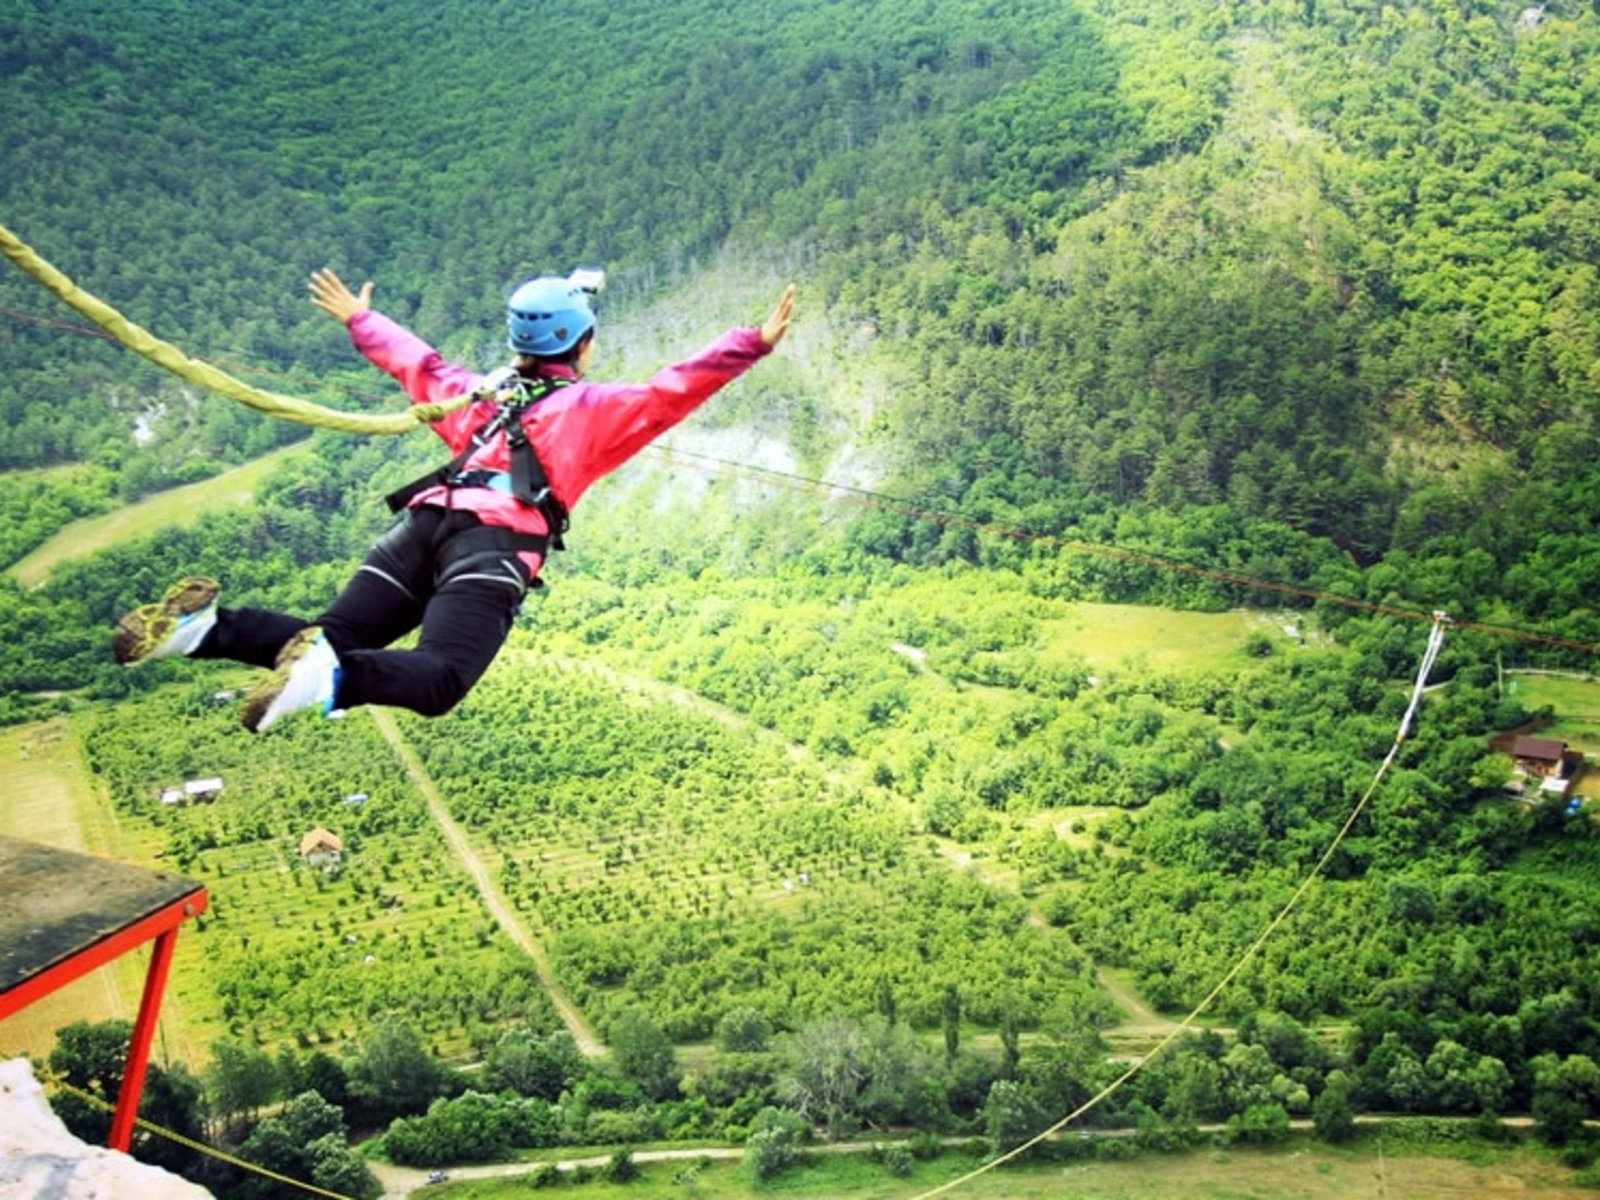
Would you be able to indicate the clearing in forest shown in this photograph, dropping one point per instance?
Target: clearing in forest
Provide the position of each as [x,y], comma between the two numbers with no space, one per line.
[176,507]
[1107,636]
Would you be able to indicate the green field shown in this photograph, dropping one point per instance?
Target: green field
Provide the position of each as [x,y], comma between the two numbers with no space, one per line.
[1108,636]
[177,507]
[1576,703]
[1306,1170]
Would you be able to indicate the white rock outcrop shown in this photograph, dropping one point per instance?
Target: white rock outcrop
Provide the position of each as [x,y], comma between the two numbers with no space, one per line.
[40,1160]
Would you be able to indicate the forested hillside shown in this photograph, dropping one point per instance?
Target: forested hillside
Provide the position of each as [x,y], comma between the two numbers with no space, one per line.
[814,752]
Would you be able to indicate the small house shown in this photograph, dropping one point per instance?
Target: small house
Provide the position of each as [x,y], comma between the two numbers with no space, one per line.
[171,796]
[202,789]
[1538,756]
[321,848]
[1546,758]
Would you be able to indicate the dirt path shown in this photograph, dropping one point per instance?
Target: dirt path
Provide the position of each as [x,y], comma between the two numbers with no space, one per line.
[493,898]
[1141,1017]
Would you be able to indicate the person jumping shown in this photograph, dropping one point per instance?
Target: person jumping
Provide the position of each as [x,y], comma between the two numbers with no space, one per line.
[470,537]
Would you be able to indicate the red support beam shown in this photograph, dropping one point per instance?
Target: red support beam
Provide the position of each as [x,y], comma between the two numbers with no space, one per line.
[155,983]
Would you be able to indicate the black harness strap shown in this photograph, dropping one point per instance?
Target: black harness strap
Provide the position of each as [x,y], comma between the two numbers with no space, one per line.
[492,537]
[529,483]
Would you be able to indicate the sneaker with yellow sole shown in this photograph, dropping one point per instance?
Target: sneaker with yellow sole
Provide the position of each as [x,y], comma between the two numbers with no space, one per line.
[306,675]
[175,624]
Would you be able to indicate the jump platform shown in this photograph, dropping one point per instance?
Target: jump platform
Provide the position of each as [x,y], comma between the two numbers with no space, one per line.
[62,914]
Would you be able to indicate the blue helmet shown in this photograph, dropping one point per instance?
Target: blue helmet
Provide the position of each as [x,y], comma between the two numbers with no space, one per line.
[546,316]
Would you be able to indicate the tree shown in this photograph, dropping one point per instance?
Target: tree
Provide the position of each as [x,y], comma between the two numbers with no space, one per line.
[1010,1042]
[334,1167]
[775,1139]
[1450,1066]
[1248,1073]
[1333,1112]
[1195,1091]
[1260,1124]
[621,1168]
[240,1079]
[885,999]
[472,1126]
[1394,1076]
[645,1055]
[308,1117]
[1491,1085]
[1564,1091]
[306,1141]
[950,1019]
[743,1030]
[533,1066]
[392,1073]
[91,1057]
[828,1063]
[1012,1115]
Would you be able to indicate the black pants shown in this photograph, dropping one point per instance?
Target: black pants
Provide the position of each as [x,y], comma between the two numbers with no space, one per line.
[464,603]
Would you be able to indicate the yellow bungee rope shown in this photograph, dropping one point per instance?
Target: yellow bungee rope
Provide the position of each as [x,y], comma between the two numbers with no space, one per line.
[170,358]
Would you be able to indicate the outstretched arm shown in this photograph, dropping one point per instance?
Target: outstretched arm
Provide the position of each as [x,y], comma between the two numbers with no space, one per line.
[614,421]
[394,349]
[329,293]
[775,326]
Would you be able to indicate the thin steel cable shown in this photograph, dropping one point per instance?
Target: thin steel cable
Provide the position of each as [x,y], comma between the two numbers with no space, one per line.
[1435,640]
[870,499]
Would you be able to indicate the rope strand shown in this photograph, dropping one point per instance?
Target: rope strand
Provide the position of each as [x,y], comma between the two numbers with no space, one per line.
[55,1080]
[202,374]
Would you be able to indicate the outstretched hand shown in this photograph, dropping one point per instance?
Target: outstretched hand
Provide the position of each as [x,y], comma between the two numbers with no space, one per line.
[775,326]
[329,293]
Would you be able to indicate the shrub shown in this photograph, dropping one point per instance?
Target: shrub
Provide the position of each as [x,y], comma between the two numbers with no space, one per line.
[774,1142]
[898,1159]
[621,1168]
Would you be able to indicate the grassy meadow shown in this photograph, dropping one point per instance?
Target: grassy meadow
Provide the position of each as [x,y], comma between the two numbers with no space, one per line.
[174,508]
[1108,636]
[1304,1170]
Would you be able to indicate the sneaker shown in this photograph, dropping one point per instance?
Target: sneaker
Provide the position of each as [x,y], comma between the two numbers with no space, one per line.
[175,624]
[307,674]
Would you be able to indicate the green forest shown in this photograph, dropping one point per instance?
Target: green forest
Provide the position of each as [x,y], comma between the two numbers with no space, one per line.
[820,771]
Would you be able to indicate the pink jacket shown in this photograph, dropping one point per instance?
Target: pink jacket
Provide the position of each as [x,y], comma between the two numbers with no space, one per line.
[579,432]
